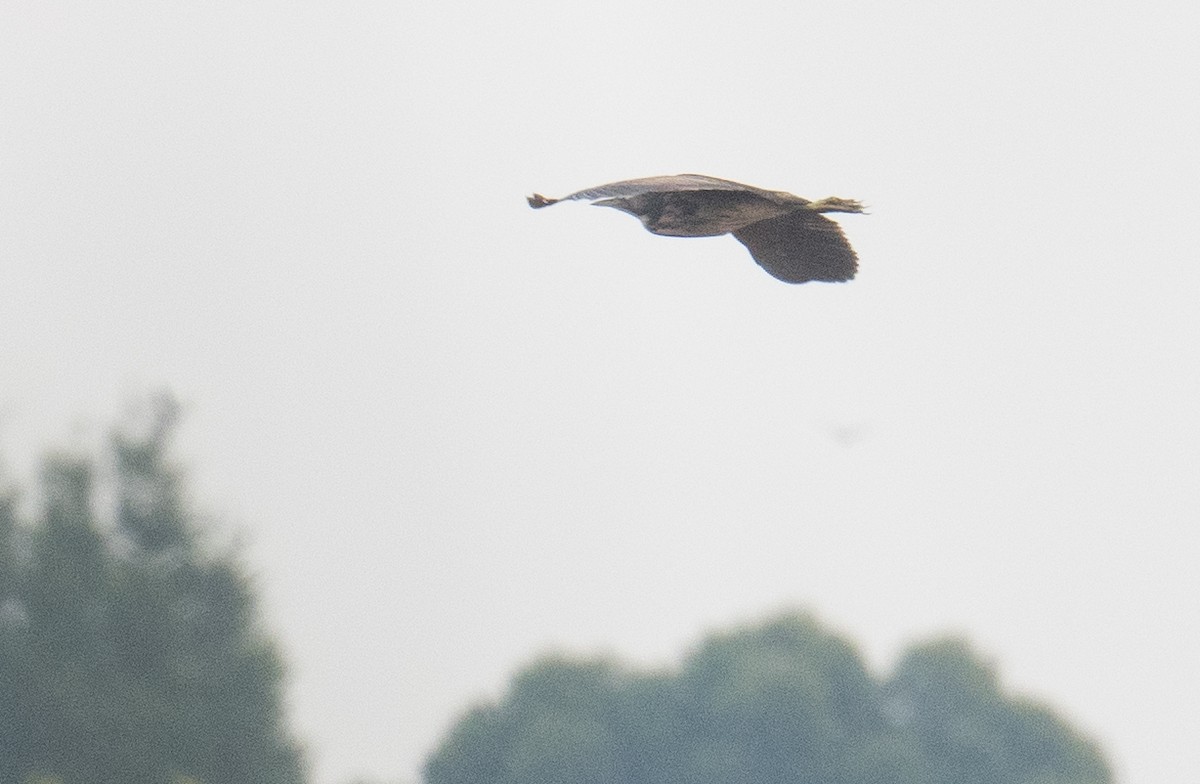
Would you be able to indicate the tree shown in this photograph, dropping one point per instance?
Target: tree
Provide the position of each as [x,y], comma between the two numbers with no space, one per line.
[971,732]
[781,702]
[130,650]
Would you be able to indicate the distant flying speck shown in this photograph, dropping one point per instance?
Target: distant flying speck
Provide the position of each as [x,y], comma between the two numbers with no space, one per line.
[785,234]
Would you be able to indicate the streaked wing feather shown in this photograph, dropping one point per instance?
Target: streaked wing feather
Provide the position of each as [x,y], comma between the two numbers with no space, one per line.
[799,247]
[678,182]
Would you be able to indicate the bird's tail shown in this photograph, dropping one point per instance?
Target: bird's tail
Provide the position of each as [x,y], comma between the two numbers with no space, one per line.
[835,204]
[537,201]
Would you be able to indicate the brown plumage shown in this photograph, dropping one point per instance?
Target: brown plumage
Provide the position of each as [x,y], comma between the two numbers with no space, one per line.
[786,235]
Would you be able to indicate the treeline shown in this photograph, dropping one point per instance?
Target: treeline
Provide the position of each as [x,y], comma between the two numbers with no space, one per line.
[130,652]
[784,702]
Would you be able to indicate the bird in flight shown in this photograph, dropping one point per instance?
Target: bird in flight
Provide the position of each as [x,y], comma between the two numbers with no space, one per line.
[787,235]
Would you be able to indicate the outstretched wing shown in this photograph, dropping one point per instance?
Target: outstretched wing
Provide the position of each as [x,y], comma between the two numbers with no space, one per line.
[705,213]
[666,184]
[677,182]
[800,246]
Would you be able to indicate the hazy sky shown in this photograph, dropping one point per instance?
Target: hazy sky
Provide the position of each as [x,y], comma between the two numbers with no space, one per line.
[459,432]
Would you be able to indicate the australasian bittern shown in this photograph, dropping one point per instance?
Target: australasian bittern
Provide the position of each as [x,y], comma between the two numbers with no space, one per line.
[787,235]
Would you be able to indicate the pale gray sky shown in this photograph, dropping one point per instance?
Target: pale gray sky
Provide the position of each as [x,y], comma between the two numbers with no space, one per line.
[460,432]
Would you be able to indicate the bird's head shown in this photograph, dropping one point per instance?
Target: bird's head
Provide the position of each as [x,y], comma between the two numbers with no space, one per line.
[537,201]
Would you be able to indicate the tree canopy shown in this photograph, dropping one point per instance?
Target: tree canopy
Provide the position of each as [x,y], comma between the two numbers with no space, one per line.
[782,702]
[129,650]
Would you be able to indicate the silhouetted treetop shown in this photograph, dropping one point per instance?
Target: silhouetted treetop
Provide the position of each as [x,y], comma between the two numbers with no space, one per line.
[781,702]
[129,650]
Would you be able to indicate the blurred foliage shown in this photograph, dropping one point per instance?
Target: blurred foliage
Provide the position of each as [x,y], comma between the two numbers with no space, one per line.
[130,651]
[783,702]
